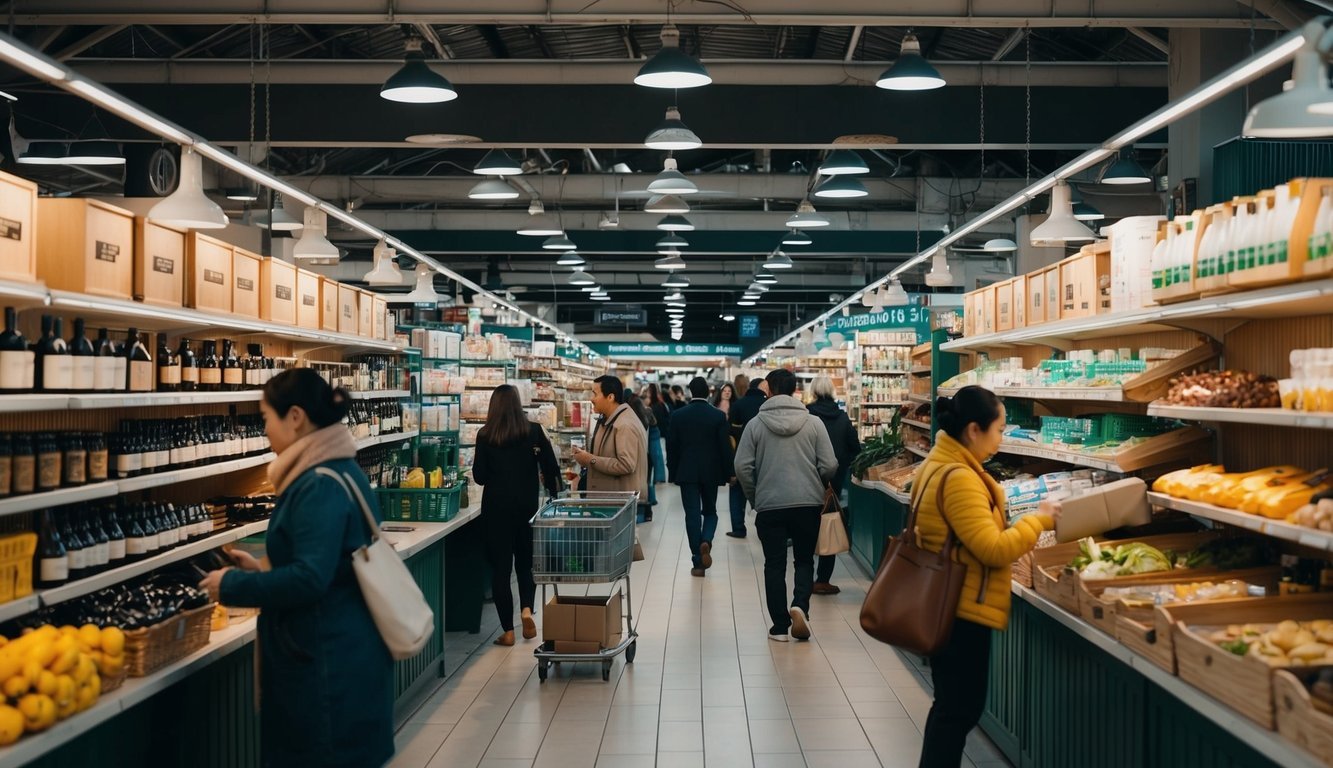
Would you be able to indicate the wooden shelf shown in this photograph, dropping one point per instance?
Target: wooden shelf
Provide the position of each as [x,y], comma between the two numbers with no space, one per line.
[172,477]
[1277,417]
[381,394]
[1087,394]
[392,437]
[920,370]
[884,372]
[883,404]
[920,399]
[1172,446]
[1278,529]
[922,452]
[919,424]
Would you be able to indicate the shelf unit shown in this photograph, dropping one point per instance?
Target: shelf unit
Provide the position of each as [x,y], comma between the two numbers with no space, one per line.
[917,424]
[1275,417]
[923,453]
[1178,445]
[1079,394]
[1278,529]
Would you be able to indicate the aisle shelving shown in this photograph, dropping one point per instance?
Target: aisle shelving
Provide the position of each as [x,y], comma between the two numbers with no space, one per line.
[917,424]
[159,479]
[1277,417]
[1085,394]
[1278,529]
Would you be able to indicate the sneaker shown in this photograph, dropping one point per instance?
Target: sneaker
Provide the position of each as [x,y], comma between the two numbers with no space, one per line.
[735,535]
[697,572]
[777,635]
[800,627]
[825,588]
[706,554]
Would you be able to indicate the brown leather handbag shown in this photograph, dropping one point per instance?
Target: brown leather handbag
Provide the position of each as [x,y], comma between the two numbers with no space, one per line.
[912,602]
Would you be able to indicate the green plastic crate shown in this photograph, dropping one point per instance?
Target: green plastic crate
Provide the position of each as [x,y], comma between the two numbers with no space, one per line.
[1123,426]
[421,505]
[1060,429]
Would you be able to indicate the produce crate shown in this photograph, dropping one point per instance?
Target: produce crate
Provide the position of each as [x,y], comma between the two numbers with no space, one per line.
[16,566]
[421,505]
[1103,612]
[1241,682]
[1298,720]
[151,648]
[1054,580]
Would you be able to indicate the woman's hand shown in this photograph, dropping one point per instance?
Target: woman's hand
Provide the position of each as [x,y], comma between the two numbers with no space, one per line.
[1053,508]
[212,583]
[244,560]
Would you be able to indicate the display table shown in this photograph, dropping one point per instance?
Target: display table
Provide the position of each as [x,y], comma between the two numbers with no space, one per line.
[874,511]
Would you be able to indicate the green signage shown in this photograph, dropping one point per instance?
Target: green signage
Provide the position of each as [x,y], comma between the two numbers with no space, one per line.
[664,349]
[911,317]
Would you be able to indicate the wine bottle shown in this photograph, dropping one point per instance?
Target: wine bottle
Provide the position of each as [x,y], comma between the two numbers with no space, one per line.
[15,358]
[75,460]
[49,360]
[83,377]
[52,557]
[116,549]
[232,376]
[75,546]
[25,464]
[168,367]
[48,462]
[136,539]
[254,366]
[92,525]
[6,465]
[104,363]
[189,367]
[98,457]
[210,368]
[139,363]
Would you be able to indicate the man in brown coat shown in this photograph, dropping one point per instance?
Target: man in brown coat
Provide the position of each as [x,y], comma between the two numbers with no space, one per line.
[619,457]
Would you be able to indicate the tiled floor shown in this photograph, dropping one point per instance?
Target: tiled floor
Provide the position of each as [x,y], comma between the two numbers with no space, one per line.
[707,687]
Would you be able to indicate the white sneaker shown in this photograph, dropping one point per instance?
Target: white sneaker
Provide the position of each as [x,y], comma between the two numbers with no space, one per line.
[777,637]
[800,627]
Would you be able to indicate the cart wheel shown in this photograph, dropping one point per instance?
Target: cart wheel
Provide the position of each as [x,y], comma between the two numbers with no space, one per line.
[606,670]
[541,670]
[629,652]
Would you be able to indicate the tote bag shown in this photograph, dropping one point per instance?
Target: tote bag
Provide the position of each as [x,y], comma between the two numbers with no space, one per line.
[399,610]
[832,532]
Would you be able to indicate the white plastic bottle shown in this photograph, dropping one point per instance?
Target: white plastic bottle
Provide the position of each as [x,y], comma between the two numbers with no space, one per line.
[1287,205]
[1243,235]
[1160,255]
[1321,236]
[1204,264]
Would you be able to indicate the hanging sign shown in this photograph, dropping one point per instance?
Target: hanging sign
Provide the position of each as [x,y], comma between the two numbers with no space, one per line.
[665,349]
[911,317]
[633,316]
[749,326]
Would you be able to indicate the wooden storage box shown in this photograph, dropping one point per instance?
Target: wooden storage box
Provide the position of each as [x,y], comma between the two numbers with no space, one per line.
[1312,264]
[328,312]
[365,306]
[18,228]
[1085,282]
[349,312]
[208,271]
[277,285]
[159,263]
[986,322]
[1004,305]
[1273,266]
[1148,631]
[1052,281]
[1036,297]
[307,298]
[1241,682]
[245,283]
[1054,580]
[380,318]
[971,311]
[87,246]
[1020,300]
[1102,611]
[1298,720]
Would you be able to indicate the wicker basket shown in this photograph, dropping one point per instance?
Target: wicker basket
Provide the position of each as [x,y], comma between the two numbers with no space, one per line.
[151,648]
[112,683]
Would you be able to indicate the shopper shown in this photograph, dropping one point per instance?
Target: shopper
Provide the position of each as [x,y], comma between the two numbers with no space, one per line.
[783,460]
[845,446]
[678,400]
[662,411]
[742,411]
[619,457]
[740,384]
[325,674]
[649,423]
[972,423]
[723,399]
[513,460]
[699,457]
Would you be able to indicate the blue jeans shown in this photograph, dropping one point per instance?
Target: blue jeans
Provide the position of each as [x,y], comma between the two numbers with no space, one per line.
[737,508]
[656,463]
[700,502]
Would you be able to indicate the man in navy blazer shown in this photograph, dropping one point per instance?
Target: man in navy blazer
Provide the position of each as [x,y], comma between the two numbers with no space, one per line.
[699,460]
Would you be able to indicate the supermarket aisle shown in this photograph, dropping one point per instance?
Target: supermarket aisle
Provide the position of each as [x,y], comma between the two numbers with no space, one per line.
[707,687]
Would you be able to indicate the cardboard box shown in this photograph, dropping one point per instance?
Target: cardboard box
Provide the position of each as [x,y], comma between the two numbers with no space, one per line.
[328,297]
[208,270]
[573,646]
[365,307]
[349,311]
[383,326]
[1132,242]
[1081,283]
[245,283]
[969,314]
[1036,297]
[987,320]
[87,246]
[159,263]
[277,297]
[595,620]
[18,228]
[1004,305]
[1019,286]
[1052,281]
[307,299]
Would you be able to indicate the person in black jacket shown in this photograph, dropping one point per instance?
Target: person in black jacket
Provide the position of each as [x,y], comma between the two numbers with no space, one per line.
[678,398]
[699,460]
[845,446]
[513,459]
[742,410]
[657,430]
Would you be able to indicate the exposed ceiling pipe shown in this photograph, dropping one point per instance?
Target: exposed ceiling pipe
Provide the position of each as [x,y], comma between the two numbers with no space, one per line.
[592,159]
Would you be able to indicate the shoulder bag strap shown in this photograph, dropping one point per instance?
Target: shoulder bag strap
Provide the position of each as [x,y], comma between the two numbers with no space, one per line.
[354,494]
[918,493]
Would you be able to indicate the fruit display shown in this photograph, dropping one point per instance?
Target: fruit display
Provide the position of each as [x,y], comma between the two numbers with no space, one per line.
[1184,592]
[50,674]
[1105,562]
[1224,389]
[1316,514]
[1276,493]
[1285,644]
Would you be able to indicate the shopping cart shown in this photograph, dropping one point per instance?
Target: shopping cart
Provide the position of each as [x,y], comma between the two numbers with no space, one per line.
[586,537]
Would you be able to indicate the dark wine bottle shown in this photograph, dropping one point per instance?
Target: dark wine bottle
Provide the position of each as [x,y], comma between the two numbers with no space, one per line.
[210,368]
[138,362]
[136,538]
[233,377]
[75,546]
[189,367]
[83,376]
[105,364]
[52,557]
[116,551]
[168,367]
[16,362]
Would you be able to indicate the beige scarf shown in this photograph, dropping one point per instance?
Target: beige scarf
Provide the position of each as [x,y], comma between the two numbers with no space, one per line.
[331,442]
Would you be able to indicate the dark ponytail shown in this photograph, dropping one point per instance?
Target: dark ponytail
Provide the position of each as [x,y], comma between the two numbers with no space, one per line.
[323,404]
[971,405]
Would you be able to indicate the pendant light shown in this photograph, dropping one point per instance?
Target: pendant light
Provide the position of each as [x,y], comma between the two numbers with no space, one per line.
[841,186]
[757,288]
[748,296]
[674,296]
[601,296]
[671,242]
[188,207]
[796,237]
[423,293]
[764,277]
[939,274]
[676,280]
[778,260]
[806,217]
[671,181]
[911,72]
[492,189]
[1302,109]
[676,304]
[1084,211]
[667,204]
[746,303]
[95,152]
[43,153]
[1000,245]
[671,67]
[247,192]
[579,277]
[868,298]
[558,243]
[843,161]
[415,82]
[569,259]
[592,287]
[894,295]
[675,223]
[877,305]
[1060,226]
[313,243]
[497,162]
[1126,170]
[277,218]
[386,271]
[672,134]
[540,223]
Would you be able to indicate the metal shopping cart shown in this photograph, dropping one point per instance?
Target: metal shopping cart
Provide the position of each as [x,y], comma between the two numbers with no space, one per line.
[586,537]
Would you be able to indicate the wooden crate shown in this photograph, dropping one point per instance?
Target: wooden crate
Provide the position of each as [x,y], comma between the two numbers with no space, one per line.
[1153,384]
[349,313]
[1052,281]
[1298,246]
[1054,580]
[380,318]
[18,228]
[307,299]
[1243,683]
[1152,635]
[245,297]
[1019,286]
[87,246]
[208,273]
[1036,297]
[987,320]
[277,297]
[365,306]
[971,312]
[1102,611]
[1263,273]
[328,297]
[1298,720]
[1004,305]
[1085,282]
[159,263]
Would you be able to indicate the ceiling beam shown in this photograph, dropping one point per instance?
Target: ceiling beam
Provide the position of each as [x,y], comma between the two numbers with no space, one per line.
[427,31]
[1289,15]
[852,41]
[939,13]
[75,48]
[1151,39]
[1009,44]
[45,36]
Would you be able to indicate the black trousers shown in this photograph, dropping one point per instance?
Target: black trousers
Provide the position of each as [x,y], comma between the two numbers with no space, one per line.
[509,550]
[775,526]
[960,672]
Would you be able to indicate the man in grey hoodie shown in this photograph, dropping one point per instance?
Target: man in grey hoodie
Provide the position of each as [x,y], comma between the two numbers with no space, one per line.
[783,460]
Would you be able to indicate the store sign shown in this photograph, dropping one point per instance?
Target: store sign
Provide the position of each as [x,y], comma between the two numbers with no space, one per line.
[665,349]
[749,326]
[908,318]
[634,316]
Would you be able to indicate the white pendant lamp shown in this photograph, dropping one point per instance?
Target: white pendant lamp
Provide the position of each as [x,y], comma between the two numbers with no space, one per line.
[277,218]
[778,260]
[415,82]
[757,288]
[591,288]
[911,72]
[764,277]
[424,293]
[675,223]
[580,278]
[676,280]
[94,152]
[672,134]
[492,189]
[894,295]
[570,259]
[671,67]
[671,242]
[497,162]
[188,207]
[674,296]
[868,298]
[1302,109]
[842,161]
[1000,245]
[796,237]
[313,243]
[746,303]
[667,204]
[671,181]
[558,243]
[939,274]
[806,217]
[671,263]
[1125,170]
[840,187]
[386,271]
[540,223]
[1060,226]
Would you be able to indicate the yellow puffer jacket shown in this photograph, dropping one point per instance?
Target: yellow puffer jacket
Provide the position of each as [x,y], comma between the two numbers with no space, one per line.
[974,509]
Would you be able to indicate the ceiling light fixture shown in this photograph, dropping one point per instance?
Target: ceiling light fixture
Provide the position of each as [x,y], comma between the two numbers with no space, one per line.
[603,296]
[842,161]
[313,243]
[671,67]
[796,237]
[911,72]
[591,288]
[757,288]
[675,223]
[939,274]
[806,217]
[558,243]
[676,280]
[726,318]
[246,193]
[672,262]
[423,293]
[674,296]
[840,187]
[671,242]
[1126,170]
[415,82]
[895,296]
[778,260]
[667,204]
[1060,226]
[386,271]
[765,278]
[1084,211]
[1000,245]
[492,189]
[672,134]
[745,303]
[44,153]
[276,218]
[579,277]
[570,259]
[671,181]
[497,162]
[188,207]
[95,152]
[540,223]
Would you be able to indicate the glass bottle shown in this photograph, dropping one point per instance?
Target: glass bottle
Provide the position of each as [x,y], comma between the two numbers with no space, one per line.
[254,366]
[139,363]
[136,538]
[168,367]
[54,364]
[93,530]
[210,368]
[75,460]
[83,376]
[52,557]
[15,358]
[189,367]
[233,377]
[25,464]
[98,457]
[116,542]
[75,546]
[48,462]
[1321,236]
[6,465]
[105,363]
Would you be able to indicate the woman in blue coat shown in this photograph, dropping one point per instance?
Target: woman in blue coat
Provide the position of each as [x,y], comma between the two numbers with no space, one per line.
[326,677]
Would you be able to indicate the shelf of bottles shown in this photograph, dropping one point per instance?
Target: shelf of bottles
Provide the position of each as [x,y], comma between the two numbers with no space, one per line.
[883,370]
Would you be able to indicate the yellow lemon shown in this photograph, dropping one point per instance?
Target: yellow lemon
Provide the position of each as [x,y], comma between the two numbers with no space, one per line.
[11,725]
[16,686]
[113,641]
[46,683]
[90,636]
[43,652]
[67,655]
[39,712]
[64,690]
[83,669]
[85,698]
[69,631]
[112,666]
[95,683]
[3,641]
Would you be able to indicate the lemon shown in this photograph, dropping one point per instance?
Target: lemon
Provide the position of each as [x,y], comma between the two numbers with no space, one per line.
[90,636]
[69,631]
[112,666]
[16,686]
[46,683]
[31,670]
[11,725]
[67,657]
[64,690]
[113,641]
[85,698]
[39,712]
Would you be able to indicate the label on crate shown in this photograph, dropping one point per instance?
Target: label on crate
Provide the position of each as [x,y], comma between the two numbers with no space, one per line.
[282,292]
[11,229]
[106,251]
[245,284]
[214,276]
[307,300]
[164,265]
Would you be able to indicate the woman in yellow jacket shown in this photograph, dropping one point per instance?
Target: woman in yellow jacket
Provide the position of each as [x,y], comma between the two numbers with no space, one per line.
[972,424]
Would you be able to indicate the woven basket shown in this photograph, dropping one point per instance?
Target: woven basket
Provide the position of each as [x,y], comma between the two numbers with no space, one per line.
[112,683]
[151,648]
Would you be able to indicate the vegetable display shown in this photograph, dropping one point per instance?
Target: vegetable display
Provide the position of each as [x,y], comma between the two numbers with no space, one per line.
[1107,562]
[881,448]
[1287,644]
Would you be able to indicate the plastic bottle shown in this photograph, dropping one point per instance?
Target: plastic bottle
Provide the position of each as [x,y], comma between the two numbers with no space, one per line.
[1205,265]
[1160,255]
[1321,234]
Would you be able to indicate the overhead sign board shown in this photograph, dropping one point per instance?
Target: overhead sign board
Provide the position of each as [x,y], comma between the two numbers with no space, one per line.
[910,317]
[664,349]
[633,316]
[749,326]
